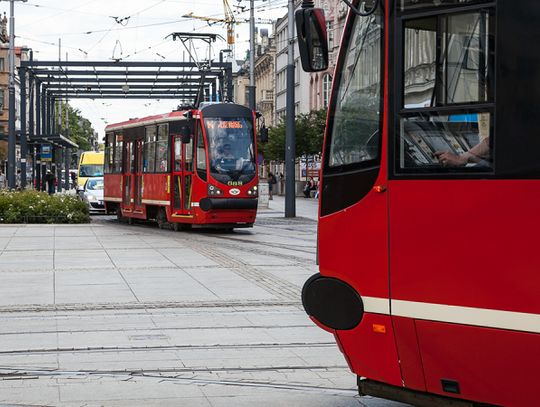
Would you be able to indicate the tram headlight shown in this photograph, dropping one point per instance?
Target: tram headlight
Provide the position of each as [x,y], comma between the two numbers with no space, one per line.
[253,191]
[214,191]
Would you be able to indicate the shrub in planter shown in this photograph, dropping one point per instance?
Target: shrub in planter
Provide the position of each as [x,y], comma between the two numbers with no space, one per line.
[39,207]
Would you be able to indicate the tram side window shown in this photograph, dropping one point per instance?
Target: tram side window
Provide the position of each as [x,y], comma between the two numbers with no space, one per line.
[109,153]
[446,60]
[201,153]
[118,146]
[355,128]
[447,64]
[162,149]
[408,5]
[149,152]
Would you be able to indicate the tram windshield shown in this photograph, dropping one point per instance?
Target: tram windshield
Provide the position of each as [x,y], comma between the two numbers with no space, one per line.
[355,131]
[230,149]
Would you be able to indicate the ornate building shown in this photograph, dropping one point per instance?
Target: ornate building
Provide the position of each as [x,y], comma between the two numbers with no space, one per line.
[335,12]
[264,78]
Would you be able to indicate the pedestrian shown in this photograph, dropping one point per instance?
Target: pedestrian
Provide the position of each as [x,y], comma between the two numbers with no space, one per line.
[3,184]
[73,179]
[271,182]
[310,186]
[18,180]
[50,179]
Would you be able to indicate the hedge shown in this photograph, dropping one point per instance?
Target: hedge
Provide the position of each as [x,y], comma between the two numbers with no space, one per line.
[39,207]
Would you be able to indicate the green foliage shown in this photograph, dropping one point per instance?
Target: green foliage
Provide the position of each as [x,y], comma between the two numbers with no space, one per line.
[80,129]
[39,207]
[309,136]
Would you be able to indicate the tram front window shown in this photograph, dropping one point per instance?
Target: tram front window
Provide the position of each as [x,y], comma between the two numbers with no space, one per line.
[356,121]
[230,149]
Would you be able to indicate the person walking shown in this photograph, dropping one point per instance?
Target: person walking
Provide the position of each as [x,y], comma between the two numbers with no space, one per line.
[3,183]
[271,182]
[50,179]
[18,180]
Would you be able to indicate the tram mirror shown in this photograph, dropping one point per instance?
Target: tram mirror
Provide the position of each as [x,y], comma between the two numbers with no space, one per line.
[311,29]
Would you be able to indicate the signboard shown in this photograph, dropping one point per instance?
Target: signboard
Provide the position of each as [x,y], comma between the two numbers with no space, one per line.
[46,153]
[310,169]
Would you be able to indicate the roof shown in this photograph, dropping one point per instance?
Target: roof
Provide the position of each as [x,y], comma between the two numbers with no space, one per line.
[145,121]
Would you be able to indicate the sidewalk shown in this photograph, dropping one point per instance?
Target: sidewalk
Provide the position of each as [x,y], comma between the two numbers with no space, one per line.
[305,207]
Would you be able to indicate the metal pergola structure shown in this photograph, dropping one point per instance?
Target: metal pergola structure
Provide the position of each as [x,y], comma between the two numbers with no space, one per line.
[46,82]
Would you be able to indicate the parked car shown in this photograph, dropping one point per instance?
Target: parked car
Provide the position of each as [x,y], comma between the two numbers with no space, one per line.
[92,194]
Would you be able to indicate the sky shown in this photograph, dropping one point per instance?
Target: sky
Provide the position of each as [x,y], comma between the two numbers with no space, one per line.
[134,30]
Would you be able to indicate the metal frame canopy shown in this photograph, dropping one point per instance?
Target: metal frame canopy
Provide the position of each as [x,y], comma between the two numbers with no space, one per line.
[45,82]
[188,82]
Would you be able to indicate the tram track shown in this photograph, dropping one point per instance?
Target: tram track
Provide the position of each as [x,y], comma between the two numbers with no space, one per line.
[190,347]
[178,376]
[153,305]
[155,329]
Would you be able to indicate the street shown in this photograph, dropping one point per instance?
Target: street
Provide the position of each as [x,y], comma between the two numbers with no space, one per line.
[118,315]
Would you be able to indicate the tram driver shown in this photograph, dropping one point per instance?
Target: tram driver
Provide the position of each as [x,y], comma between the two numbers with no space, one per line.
[225,160]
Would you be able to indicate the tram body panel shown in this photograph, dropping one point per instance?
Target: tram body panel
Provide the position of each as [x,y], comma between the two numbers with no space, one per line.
[466,243]
[498,367]
[370,349]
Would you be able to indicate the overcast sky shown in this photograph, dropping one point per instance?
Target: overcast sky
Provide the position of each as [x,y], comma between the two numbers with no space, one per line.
[89,31]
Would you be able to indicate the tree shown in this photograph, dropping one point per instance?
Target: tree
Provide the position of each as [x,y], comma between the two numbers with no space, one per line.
[309,136]
[80,129]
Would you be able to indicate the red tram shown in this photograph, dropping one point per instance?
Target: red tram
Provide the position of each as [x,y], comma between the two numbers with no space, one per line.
[428,235]
[192,167]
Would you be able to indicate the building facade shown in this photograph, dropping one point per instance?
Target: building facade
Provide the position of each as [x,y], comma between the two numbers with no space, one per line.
[265,77]
[335,12]
[301,78]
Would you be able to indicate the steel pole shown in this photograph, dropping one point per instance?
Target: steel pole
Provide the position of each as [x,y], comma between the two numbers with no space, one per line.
[37,106]
[290,137]
[23,136]
[252,99]
[12,138]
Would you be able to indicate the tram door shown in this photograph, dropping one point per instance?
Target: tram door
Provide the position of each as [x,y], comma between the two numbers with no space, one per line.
[132,182]
[182,176]
[127,177]
[136,169]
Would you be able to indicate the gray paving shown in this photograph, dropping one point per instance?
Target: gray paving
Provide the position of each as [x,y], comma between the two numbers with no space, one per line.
[109,314]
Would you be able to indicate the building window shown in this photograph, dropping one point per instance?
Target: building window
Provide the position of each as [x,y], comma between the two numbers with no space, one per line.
[327,85]
[2,64]
[330,33]
[1,100]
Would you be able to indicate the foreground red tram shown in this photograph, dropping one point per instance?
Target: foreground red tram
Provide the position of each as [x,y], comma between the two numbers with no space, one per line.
[192,167]
[428,235]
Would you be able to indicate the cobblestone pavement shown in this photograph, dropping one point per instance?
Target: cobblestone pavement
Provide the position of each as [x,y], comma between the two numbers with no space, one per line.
[109,314]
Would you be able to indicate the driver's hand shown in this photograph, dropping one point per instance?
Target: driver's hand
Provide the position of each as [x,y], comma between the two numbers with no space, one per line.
[448,159]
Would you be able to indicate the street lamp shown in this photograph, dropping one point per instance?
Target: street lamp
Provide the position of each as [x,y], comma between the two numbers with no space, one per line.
[12,139]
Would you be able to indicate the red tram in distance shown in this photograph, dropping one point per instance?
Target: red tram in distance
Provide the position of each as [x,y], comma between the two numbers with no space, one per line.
[429,267]
[185,168]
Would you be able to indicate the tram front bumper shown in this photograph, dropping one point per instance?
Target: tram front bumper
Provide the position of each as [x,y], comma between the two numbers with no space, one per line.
[207,204]
[332,303]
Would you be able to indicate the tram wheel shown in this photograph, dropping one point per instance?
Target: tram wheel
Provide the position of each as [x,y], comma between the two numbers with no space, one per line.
[181,226]
[161,218]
